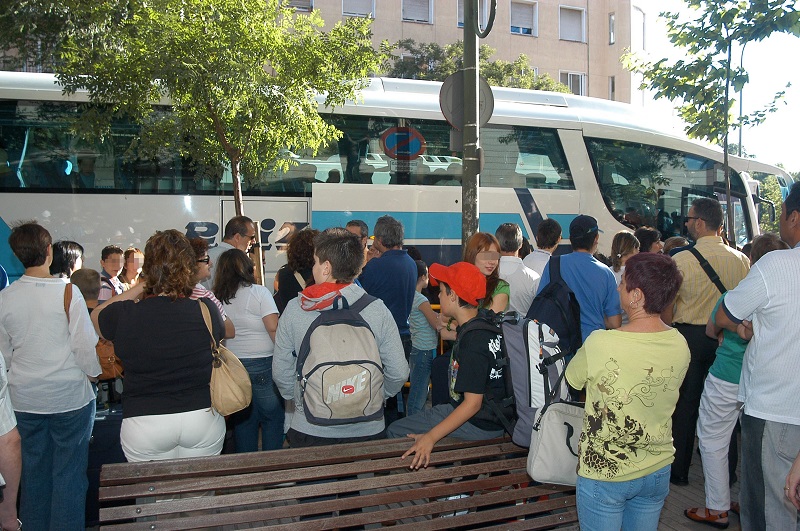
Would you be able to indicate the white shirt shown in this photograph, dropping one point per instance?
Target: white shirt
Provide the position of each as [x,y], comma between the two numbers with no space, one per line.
[48,358]
[769,297]
[537,260]
[246,310]
[524,283]
[214,253]
[7,419]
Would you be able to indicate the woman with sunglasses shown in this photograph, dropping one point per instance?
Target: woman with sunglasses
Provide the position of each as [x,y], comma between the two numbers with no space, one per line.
[204,264]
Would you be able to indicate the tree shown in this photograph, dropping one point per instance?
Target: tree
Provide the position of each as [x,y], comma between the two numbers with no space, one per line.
[241,75]
[703,80]
[432,62]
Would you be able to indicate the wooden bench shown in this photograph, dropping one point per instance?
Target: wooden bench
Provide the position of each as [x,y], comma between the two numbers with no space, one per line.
[475,484]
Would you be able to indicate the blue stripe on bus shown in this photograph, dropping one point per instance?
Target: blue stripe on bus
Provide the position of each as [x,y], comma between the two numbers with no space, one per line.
[564,220]
[10,262]
[417,225]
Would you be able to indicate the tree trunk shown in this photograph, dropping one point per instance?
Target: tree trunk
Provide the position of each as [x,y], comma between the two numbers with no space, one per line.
[237,187]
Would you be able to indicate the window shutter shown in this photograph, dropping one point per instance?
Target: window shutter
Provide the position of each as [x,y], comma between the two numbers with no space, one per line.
[417,10]
[301,5]
[357,7]
[460,13]
[522,15]
[571,24]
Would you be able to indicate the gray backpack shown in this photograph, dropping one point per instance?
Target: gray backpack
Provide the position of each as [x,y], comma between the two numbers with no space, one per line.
[339,367]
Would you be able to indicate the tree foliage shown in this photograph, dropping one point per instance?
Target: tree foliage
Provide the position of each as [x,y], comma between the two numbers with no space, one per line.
[771,190]
[241,75]
[432,62]
[700,81]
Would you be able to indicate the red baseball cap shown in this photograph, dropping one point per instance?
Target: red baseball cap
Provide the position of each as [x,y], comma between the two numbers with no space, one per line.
[464,278]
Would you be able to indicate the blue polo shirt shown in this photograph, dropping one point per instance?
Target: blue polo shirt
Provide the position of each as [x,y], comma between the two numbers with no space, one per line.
[594,286]
[392,277]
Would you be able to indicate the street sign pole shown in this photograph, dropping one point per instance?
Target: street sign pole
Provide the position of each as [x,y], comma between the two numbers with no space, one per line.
[471,165]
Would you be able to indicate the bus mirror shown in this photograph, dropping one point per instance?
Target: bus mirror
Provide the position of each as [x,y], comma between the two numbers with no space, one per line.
[761,200]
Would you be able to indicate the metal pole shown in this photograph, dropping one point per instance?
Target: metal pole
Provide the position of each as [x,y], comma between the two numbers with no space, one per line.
[471,168]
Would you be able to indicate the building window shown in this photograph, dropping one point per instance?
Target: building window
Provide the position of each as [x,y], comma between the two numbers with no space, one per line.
[302,5]
[612,88]
[612,31]
[417,10]
[358,8]
[483,12]
[524,18]
[576,81]
[571,22]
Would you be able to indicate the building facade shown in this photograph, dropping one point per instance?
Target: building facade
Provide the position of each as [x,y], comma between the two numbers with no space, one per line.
[578,42]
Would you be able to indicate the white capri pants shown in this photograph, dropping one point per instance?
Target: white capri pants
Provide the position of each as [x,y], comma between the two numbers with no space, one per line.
[156,437]
[719,410]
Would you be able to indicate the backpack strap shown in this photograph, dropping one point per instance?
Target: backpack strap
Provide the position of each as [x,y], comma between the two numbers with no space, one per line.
[490,322]
[358,306]
[708,269]
[67,299]
[300,280]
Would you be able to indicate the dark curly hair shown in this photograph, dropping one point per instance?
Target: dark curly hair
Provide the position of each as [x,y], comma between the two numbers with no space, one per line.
[300,252]
[169,265]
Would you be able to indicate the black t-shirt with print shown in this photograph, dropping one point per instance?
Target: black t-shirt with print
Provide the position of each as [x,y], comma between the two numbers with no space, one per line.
[472,370]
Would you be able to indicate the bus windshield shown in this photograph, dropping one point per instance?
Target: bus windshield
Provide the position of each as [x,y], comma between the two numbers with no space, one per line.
[654,186]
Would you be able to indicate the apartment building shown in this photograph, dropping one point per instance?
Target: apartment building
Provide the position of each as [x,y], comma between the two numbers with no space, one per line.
[578,42]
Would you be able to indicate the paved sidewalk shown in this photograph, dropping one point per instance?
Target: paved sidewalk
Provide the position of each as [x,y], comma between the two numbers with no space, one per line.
[693,495]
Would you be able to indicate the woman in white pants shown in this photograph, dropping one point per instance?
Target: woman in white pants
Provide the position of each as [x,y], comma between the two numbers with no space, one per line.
[165,348]
[719,408]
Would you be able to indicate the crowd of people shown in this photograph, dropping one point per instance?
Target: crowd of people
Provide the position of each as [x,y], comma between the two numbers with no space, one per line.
[678,340]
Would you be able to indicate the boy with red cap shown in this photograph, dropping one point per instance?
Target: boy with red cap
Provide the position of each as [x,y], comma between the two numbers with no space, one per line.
[474,370]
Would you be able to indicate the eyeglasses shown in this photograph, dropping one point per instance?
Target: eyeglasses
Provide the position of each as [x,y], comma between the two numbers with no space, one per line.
[251,238]
[692,217]
[205,260]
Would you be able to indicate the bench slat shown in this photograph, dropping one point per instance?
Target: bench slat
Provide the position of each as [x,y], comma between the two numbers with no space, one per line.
[239,480]
[123,473]
[404,477]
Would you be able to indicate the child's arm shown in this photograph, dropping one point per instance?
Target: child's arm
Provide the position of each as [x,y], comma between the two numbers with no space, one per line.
[430,315]
[423,444]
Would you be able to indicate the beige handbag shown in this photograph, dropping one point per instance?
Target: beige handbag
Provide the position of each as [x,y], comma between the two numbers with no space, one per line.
[231,390]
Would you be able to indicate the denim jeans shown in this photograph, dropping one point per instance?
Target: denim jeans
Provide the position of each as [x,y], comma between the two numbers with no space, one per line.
[55,457]
[630,505]
[265,412]
[768,449]
[420,365]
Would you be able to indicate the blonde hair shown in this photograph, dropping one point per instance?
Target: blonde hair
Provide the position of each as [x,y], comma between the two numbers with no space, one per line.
[624,244]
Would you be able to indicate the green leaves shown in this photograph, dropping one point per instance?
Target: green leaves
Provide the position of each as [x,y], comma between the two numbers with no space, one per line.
[698,82]
[241,75]
[430,61]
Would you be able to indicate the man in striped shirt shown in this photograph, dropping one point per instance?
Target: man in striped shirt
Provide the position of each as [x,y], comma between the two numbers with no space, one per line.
[695,302]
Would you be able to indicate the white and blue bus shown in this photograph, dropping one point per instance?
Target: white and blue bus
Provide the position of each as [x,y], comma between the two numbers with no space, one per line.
[546,155]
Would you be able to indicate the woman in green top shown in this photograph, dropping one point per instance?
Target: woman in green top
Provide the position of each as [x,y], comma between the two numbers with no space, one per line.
[483,250]
[632,377]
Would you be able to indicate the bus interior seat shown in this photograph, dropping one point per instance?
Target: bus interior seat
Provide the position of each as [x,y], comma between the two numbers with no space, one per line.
[536,180]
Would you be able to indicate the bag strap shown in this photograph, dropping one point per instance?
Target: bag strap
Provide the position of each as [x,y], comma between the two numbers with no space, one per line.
[300,280]
[207,320]
[67,299]
[555,269]
[358,306]
[708,269]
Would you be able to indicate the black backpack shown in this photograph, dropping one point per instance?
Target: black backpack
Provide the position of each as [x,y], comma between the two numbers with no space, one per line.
[557,307]
[531,363]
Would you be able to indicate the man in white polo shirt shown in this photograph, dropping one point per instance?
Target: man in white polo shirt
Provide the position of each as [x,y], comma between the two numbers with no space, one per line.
[764,307]
[523,280]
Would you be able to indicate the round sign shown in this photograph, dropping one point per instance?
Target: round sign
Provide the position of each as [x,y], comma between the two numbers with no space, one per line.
[402,143]
[451,100]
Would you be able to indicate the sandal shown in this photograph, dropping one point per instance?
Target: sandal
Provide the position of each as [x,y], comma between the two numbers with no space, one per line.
[735,508]
[708,519]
